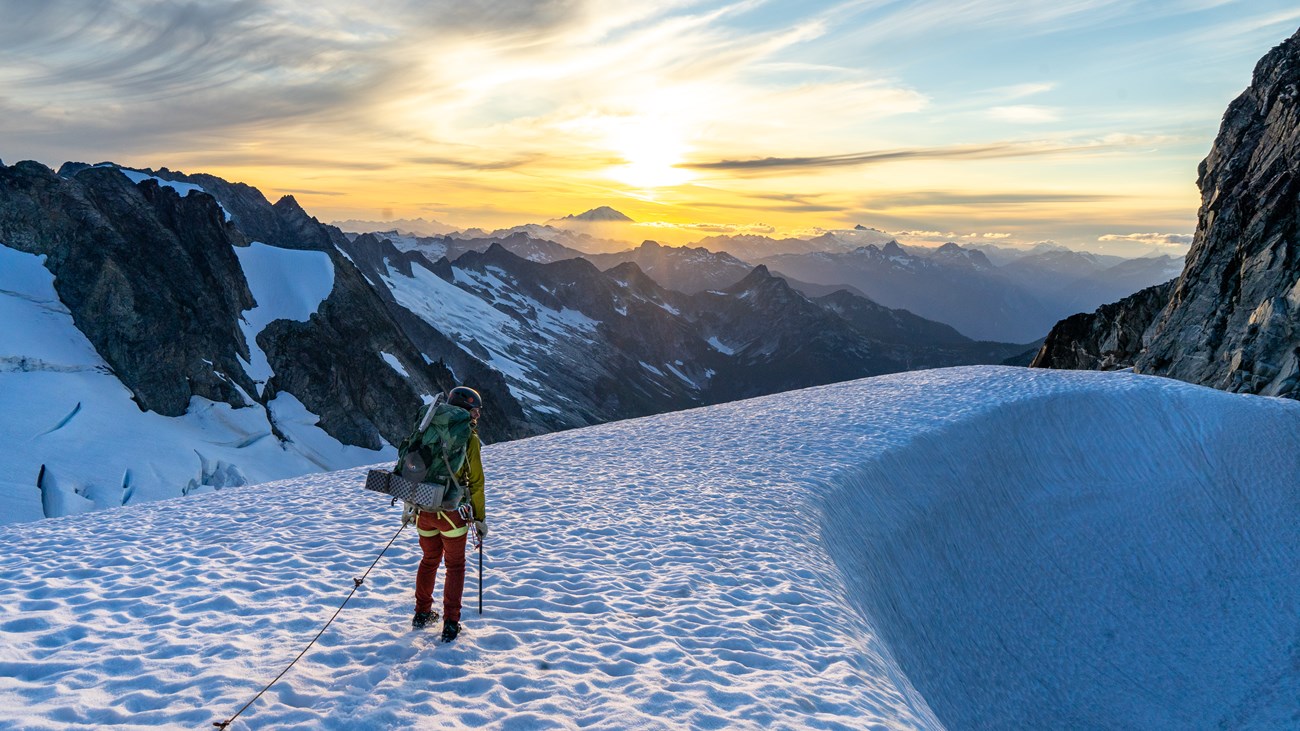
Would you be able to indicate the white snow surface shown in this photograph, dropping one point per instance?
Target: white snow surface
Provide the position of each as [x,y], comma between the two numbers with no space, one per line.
[288,284]
[394,363]
[64,408]
[481,328]
[985,547]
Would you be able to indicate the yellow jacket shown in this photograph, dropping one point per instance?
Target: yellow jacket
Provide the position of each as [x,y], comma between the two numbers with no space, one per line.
[471,475]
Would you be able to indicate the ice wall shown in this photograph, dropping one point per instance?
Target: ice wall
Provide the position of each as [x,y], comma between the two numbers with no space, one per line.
[1096,559]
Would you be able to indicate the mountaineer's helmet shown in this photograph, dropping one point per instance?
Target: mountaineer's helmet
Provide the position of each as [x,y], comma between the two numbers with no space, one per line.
[465,397]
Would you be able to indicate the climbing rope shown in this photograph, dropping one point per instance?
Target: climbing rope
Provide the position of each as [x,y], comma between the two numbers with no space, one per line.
[356,584]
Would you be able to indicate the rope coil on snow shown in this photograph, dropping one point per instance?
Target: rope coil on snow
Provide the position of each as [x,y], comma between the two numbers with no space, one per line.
[356,584]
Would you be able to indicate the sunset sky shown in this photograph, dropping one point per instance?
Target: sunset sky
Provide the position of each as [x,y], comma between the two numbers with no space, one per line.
[1079,121]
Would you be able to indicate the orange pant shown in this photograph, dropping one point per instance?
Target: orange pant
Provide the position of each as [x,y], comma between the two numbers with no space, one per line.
[442,535]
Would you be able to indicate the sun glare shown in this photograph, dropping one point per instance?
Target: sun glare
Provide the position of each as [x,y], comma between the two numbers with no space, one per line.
[651,148]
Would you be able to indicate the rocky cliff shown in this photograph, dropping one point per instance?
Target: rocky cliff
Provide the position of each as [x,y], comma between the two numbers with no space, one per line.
[1232,319]
[148,264]
[1107,339]
[150,277]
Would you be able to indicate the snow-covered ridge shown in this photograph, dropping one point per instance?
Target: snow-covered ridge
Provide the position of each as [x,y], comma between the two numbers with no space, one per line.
[782,562]
[77,441]
[184,189]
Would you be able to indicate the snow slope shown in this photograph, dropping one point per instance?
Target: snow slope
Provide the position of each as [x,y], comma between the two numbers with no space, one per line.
[64,407]
[983,547]
[287,284]
[482,326]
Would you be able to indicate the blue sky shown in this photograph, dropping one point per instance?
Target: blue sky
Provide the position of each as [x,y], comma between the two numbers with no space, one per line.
[1080,121]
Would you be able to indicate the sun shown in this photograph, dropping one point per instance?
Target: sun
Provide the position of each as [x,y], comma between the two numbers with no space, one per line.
[651,147]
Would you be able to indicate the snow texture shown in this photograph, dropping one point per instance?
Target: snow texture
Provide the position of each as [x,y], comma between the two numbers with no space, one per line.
[287,284]
[394,363]
[471,312]
[993,547]
[64,408]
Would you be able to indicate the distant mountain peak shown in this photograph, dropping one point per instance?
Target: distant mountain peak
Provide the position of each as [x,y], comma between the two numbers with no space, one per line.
[602,214]
[759,279]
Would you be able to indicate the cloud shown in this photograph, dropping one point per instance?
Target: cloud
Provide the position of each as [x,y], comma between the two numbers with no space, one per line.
[1020,91]
[722,228]
[1154,239]
[954,152]
[463,164]
[1024,114]
[924,198]
[785,207]
[926,234]
[951,235]
[302,191]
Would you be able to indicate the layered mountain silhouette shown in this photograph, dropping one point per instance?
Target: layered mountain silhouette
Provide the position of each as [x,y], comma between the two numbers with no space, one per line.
[149,263]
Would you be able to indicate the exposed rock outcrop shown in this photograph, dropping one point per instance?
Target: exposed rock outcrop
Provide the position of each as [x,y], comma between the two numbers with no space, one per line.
[1107,339]
[1232,319]
[150,276]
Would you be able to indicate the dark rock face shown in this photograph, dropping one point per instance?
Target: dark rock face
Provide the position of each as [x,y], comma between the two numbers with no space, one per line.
[1233,320]
[150,277]
[890,325]
[331,362]
[1107,339]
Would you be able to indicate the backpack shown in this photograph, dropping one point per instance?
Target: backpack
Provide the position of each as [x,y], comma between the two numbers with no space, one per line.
[436,451]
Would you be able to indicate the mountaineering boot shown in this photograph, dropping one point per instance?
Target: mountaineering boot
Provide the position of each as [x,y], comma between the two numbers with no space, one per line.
[450,630]
[423,618]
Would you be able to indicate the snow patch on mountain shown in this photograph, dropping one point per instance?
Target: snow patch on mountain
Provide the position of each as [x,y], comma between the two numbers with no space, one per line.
[71,413]
[395,364]
[288,284]
[500,325]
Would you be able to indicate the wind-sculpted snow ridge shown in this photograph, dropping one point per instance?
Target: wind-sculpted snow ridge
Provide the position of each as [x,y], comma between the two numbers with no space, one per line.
[791,561]
[1101,558]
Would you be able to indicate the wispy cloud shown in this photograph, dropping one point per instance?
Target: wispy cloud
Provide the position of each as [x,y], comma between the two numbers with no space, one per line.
[921,198]
[1024,114]
[955,152]
[510,109]
[717,228]
[1153,239]
[470,164]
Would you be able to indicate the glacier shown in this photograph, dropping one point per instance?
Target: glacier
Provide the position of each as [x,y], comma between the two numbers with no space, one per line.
[979,547]
[72,426]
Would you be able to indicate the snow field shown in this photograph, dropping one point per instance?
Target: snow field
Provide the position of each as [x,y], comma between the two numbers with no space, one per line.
[748,565]
[65,408]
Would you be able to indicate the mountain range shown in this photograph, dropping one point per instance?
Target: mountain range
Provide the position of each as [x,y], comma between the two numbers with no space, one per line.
[258,331]
[1017,301]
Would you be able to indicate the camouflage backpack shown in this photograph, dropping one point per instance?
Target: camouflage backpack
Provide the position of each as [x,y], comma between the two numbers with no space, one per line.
[435,452]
